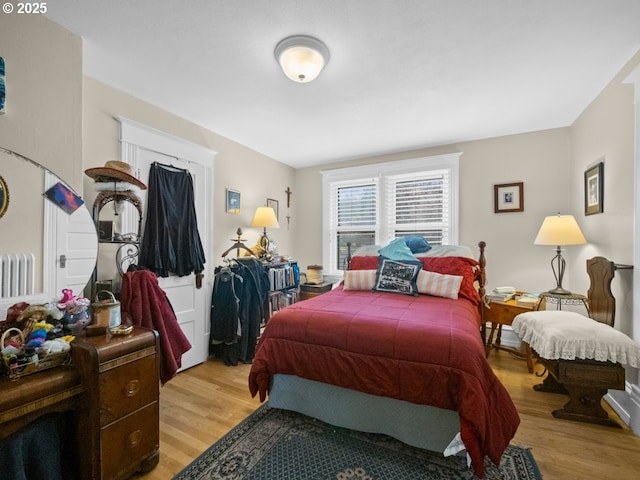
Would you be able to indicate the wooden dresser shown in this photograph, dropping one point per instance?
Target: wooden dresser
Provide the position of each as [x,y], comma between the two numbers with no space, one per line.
[120,403]
[112,387]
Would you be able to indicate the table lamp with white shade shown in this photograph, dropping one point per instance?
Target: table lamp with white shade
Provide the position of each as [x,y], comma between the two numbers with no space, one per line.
[559,230]
[265,217]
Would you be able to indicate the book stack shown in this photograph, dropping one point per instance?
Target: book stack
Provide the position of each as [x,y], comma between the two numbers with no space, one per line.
[528,300]
[501,294]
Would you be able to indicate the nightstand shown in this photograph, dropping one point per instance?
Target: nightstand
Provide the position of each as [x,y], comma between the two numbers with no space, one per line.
[308,290]
[503,313]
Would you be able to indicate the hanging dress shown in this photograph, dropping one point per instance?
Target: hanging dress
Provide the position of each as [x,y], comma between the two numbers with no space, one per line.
[171,241]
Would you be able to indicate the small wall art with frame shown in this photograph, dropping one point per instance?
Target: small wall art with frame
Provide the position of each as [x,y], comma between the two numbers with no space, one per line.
[275,205]
[232,201]
[594,189]
[508,197]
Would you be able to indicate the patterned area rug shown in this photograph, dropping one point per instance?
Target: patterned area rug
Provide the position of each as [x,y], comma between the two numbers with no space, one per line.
[274,444]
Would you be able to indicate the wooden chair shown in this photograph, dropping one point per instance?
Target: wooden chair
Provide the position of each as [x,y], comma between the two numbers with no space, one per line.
[587,381]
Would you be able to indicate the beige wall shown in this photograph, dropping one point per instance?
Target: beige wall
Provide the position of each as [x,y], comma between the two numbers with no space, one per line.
[605,132]
[512,257]
[43,116]
[256,176]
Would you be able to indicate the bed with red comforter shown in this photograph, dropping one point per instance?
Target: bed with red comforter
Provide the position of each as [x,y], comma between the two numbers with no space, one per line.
[422,349]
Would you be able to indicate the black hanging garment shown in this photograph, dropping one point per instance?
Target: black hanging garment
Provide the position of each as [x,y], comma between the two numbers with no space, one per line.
[237,310]
[171,242]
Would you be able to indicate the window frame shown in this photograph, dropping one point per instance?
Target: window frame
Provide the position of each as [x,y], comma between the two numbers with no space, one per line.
[379,171]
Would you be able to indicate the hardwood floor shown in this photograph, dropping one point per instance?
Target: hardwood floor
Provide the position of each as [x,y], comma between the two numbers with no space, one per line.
[201,404]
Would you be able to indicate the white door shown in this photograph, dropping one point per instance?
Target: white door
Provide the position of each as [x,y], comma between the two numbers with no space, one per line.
[191,304]
[73,239]
[140,148]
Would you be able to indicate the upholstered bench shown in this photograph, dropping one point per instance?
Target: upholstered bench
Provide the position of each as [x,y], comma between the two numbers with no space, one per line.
[583,357]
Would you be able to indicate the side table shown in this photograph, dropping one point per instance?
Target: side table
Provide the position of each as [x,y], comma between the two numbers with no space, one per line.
[308,290]
[503,313]
[568,299]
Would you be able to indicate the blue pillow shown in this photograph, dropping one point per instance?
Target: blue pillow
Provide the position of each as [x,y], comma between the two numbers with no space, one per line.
[397,276]
[397,250]
[417,244]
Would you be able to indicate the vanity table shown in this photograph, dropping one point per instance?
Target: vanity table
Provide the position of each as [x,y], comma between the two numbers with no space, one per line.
[112,389]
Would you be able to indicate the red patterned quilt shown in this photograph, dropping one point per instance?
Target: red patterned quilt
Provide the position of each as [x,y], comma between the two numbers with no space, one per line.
[424,349]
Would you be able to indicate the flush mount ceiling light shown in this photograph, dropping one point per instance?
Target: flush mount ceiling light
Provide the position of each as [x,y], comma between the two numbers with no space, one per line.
[301,57]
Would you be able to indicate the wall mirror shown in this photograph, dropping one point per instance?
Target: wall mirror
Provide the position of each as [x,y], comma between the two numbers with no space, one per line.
[4,196]
[63,246]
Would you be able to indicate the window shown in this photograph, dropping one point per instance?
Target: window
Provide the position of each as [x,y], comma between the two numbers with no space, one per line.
[373,204]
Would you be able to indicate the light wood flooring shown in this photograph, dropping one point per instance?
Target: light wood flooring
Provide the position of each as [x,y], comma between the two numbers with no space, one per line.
[203,403]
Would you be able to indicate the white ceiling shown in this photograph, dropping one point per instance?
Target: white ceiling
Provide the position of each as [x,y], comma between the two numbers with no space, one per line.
[403,74]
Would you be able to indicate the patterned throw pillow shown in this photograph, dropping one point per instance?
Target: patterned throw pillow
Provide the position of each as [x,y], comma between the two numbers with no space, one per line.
[439,285]
[359,279]
[397,276]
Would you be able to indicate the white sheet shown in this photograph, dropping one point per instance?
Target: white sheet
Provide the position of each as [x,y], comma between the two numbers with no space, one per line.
[565,335]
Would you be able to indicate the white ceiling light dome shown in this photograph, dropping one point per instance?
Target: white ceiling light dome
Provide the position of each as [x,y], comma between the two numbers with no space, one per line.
[302,57]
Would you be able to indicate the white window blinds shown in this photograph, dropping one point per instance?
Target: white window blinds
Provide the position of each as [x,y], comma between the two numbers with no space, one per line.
[419,204]
[374,204]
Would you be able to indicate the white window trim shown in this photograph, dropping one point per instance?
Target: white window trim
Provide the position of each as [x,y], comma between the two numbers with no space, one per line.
[449,161]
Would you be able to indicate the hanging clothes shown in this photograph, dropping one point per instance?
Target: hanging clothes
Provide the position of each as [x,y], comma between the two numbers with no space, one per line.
[142,299]
[237,310]
[171,241]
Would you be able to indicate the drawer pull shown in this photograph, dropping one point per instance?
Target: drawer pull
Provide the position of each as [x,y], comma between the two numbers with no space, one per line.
[134,438]
[132,388]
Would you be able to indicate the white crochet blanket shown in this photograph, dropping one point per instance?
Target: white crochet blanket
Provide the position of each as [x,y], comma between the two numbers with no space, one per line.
[569,335]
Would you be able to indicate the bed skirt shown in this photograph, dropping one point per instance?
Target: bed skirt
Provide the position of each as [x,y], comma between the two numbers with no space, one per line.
[421,426]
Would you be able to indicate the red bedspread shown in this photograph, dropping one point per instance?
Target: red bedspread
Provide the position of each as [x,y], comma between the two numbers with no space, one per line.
[425,350]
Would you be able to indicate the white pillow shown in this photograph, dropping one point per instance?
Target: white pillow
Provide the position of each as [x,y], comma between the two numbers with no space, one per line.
[438,285]
[447,251]
[359,279]
[367,251]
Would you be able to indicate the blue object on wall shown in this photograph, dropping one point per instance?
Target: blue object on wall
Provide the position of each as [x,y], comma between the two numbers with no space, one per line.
[2,88]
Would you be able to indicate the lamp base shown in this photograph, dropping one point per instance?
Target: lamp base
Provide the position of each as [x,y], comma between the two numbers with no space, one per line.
[560,291]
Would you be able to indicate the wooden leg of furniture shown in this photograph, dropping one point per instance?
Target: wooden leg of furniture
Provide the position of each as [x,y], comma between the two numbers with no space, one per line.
[513,351]
[529,356]
[586,382]
[550,385]
[584,405]
[489,344]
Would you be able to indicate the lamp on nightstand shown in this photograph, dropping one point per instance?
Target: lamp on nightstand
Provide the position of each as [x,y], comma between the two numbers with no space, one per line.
[265,217]
[559,230]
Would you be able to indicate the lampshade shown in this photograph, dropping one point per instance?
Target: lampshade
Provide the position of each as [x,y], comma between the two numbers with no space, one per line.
[301,57]
[560,230]
[265,217]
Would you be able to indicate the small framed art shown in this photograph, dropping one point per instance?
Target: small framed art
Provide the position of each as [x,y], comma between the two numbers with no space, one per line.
[233,201]
[594,189]
[275,205]
[64,197]
[508,197]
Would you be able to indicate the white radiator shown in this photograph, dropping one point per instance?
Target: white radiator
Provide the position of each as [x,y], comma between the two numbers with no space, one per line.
[17,274]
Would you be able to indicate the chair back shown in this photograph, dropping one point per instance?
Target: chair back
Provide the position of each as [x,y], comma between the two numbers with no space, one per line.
[602,303]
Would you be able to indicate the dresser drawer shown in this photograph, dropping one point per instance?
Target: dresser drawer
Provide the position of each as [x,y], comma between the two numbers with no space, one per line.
[127,388]
[124,443]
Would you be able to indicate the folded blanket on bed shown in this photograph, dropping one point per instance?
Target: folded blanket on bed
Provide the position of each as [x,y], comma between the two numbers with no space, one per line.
[565,335]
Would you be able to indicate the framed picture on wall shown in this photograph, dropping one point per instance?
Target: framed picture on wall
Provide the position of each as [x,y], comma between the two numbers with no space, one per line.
[594,189]
[275,205]
[508,197]
[233,201]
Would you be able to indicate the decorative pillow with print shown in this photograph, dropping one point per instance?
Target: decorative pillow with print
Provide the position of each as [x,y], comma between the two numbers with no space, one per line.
[397,276]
